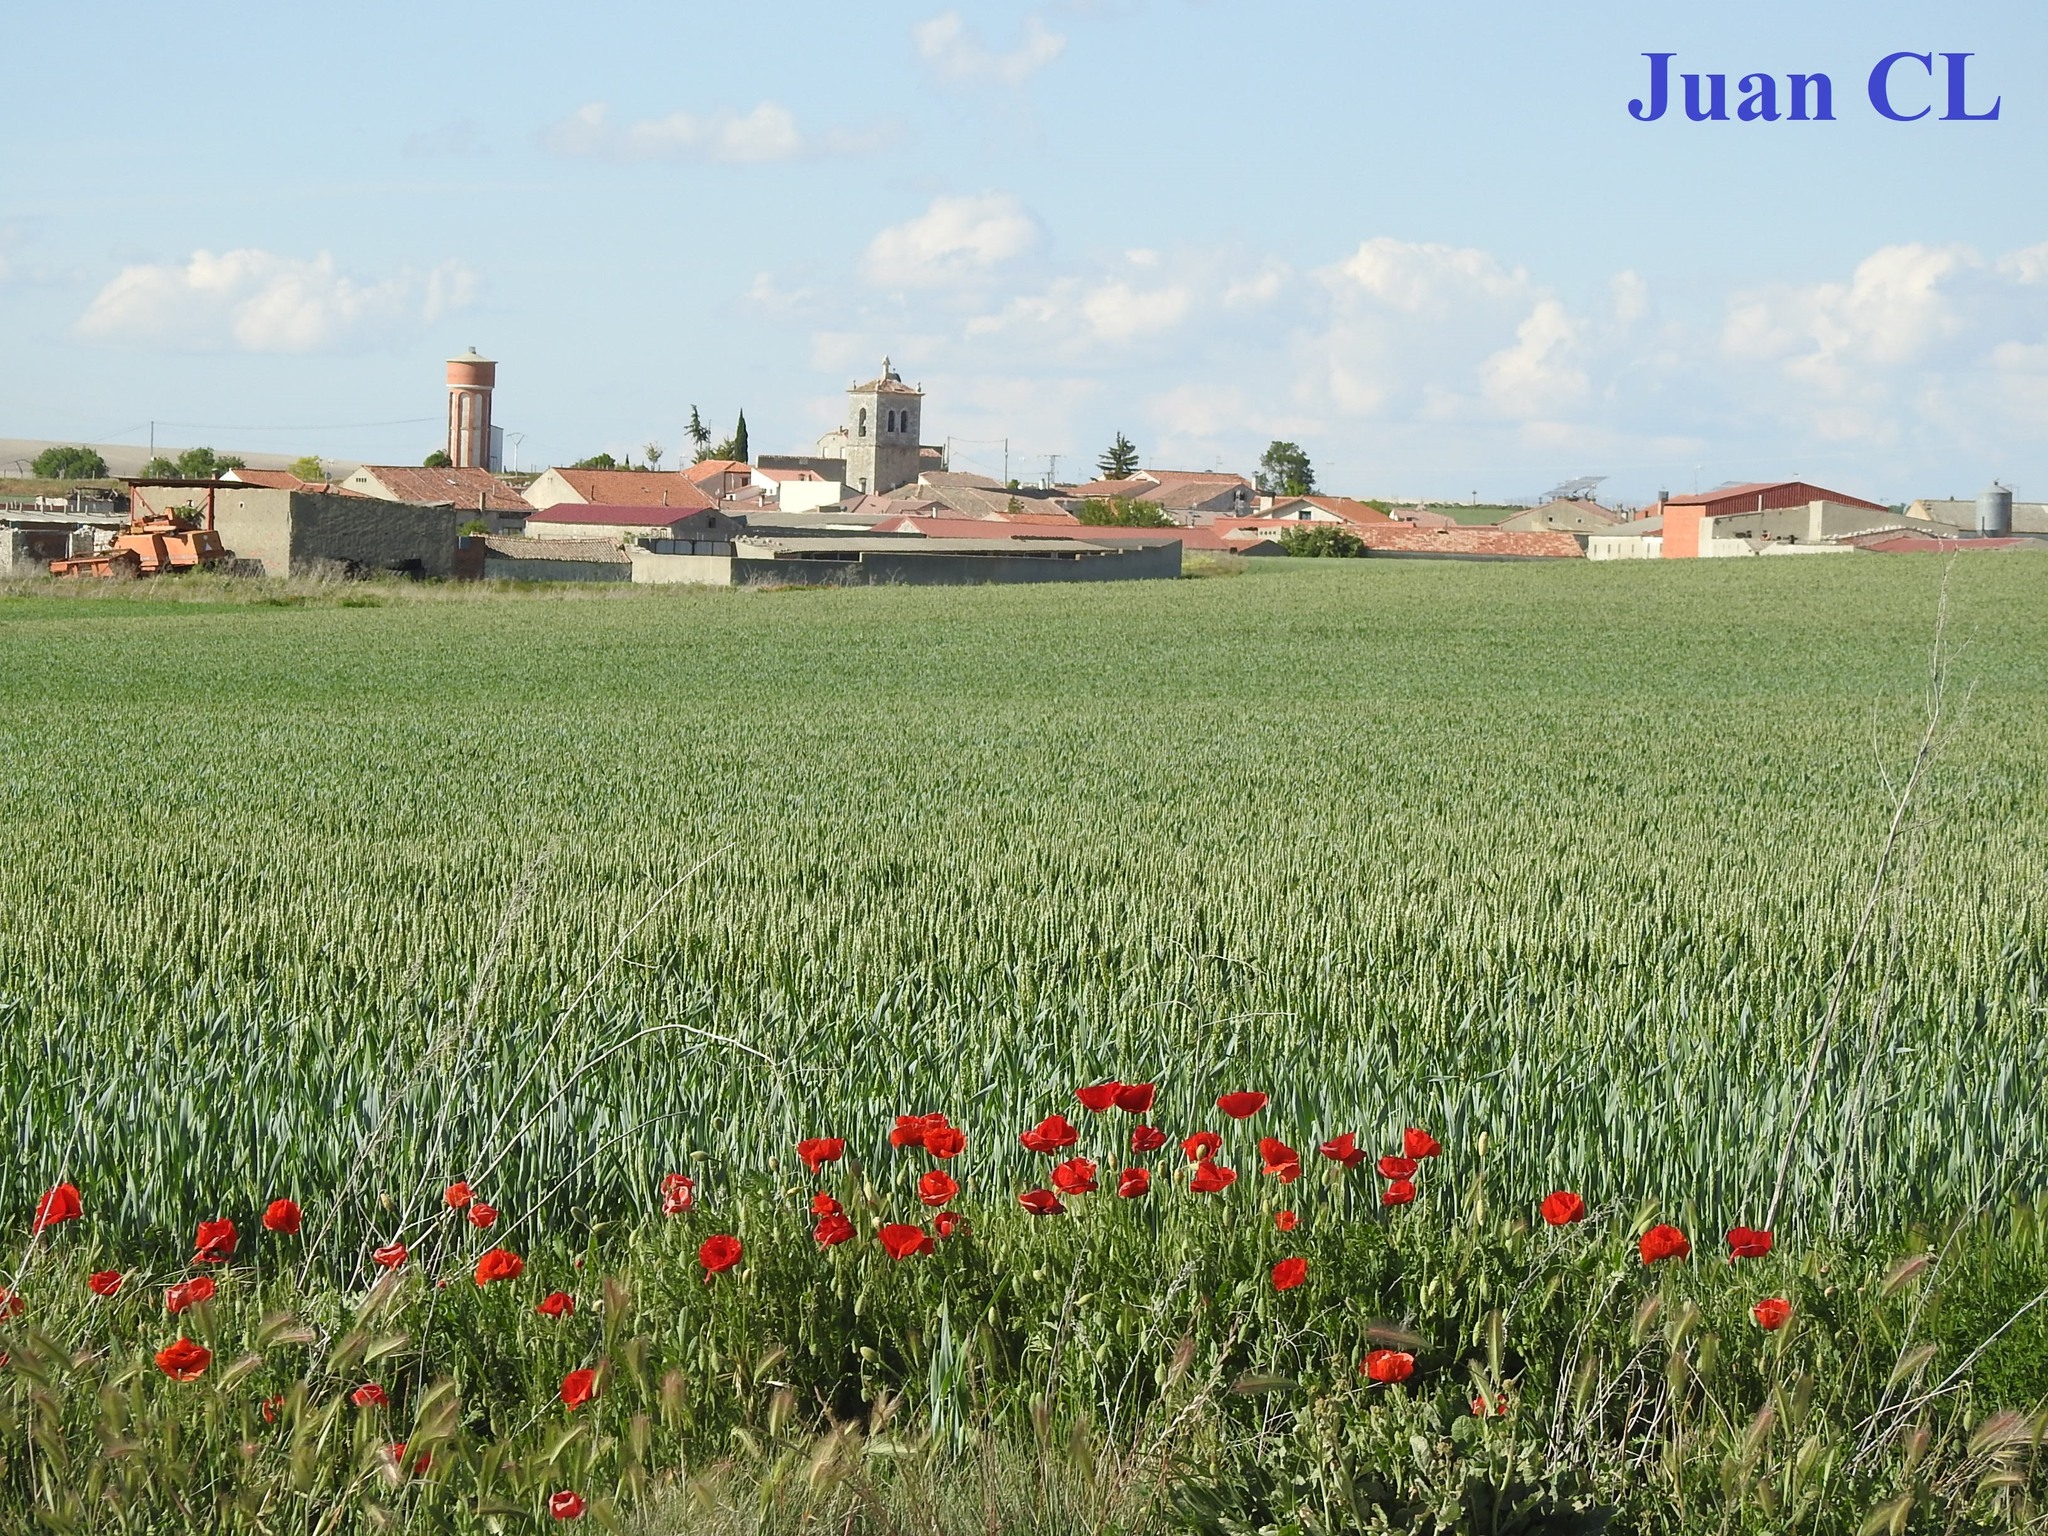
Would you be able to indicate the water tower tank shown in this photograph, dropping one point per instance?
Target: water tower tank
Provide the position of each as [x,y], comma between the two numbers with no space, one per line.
[1994,511]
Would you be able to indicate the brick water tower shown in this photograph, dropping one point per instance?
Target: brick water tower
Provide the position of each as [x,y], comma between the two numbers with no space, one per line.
[471,442]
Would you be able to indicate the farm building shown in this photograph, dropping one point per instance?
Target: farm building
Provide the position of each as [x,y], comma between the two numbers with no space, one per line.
[473,491]
[510,557]
[703,526]
[1564,515]
[2028,517]
[615,488]
[314,533]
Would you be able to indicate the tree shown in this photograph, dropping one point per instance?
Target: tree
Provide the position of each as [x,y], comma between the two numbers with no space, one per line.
[69,464]
[1101,512]
[1120,460]
[596,461]
[307,467]
[699,435]
[205,464]
[160,468]
[438,459]
[1285,471]
[1322,542]
[739,441]
[654,452]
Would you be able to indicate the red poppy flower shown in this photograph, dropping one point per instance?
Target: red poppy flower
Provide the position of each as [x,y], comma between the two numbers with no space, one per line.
[184,1360]
[1497,1409]
[945,1141]
[1398,1167]
[457,1195]
[1211,1176]
[719,1253]
[1099,1098]
[482,1216]
[106,1283]
[390,1256]
[1561,1208]
[1135,1098]
[1041,1202]
[912,1130]
[370,1395]
[1052,1134]
[832,1230]
[1663,1243]
[420,1463]
[1400,1192]
[1133,1183]
[1420,1143]
[215,1242]
[949,1222]
[1343,1149]
[272,1406]
[499,1264]
[566,1505]
[1289,1273]
[817,1151]
[11,1305]
[1147,1138]
[578,1388]
[1076,1176]
[936,1188]
[188,1293]
[1202,1146]
[823,1204]
[557,1304]
[1281,1161]
[60,1203]
[1772,1313]
[283,1216]
[1388,1365]
[678,1193]
[1241,1106]
[1748,1243]
[1286,1221]
[904,1241]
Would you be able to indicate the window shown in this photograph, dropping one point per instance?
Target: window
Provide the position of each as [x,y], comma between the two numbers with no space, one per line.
[863,432]
[892,421]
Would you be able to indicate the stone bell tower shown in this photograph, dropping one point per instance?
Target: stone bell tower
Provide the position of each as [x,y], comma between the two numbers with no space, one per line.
[883,419]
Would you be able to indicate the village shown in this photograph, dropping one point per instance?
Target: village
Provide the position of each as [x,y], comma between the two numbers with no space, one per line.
[872,501]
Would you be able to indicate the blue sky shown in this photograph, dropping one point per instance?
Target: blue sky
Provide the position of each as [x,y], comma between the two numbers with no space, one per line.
[1427,242]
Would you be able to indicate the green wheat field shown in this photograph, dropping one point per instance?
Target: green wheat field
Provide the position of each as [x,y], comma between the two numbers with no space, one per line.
[343,892]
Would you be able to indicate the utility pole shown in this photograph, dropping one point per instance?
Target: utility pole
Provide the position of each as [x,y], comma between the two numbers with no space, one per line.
[1052,470]
[1006,463]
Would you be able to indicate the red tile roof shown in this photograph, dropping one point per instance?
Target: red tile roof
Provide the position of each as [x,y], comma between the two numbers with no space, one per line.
[1457,540]
[1775,495]
[635,488]
[711,469]
[461,487]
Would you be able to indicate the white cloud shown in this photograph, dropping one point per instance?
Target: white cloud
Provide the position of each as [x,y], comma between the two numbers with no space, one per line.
[1427,279]
[259,301]
[955,240]
[957,55]
[1538,374]
[724,136]
[1119,312]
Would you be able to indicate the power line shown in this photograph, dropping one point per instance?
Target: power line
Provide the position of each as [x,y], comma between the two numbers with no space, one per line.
[338,426]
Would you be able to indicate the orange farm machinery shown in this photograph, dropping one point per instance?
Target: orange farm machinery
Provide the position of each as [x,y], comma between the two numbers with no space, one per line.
[153,543]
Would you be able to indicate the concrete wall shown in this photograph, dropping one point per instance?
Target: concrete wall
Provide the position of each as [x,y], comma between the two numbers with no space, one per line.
[1625,546]
[366,536]
[497,568]
[910,568]
[654,570]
